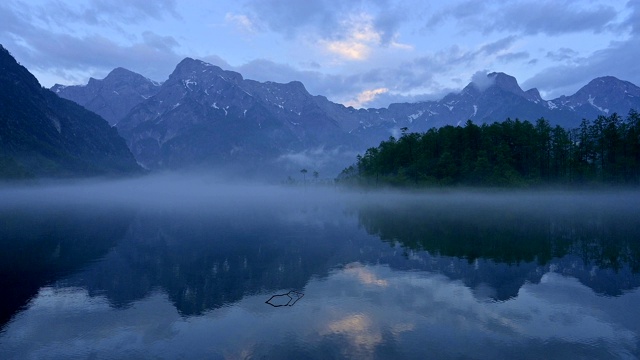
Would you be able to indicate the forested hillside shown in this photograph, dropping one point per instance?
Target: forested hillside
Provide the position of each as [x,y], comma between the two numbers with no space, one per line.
[510,153]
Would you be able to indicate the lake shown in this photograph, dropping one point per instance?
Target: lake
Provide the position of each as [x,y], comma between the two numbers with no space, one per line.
[175,267]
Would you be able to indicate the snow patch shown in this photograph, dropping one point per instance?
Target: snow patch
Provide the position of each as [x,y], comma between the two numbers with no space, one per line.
[551,105]
[189,82]
[475,110]
[175,106]
[414,116]
[449,107]
[215,106]
[591,99]
[115,92]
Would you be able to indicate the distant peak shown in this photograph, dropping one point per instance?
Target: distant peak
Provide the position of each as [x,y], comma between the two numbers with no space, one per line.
[297,85]
[189,67]
[607,85]
[608,81]
[119,71]
[506,82]
[605,79]
[533,95]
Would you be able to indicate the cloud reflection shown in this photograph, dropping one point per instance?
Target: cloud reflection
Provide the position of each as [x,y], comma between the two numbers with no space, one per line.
[420,313]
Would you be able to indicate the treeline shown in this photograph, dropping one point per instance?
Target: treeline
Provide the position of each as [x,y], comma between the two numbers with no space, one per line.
[510,153]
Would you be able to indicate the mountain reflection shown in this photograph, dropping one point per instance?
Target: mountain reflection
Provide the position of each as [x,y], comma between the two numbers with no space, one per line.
[207,260]
[383,275]
[212,255]
[41,246]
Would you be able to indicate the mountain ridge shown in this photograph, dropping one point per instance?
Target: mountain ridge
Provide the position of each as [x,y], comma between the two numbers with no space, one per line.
[229,110]
[44,135]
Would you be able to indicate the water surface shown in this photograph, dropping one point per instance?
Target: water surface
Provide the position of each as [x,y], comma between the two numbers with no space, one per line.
[177,268]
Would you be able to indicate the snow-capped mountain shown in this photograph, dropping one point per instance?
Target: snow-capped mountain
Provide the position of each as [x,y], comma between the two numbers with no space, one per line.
[204,115]
[601,96]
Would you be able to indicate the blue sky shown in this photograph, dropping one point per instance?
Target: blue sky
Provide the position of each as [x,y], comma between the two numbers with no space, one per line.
[365,53]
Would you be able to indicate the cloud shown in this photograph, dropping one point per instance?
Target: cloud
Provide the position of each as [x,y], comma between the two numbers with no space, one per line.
[335,24]
[527,17]
[481,80]
[320,158]
[366,97]
[498,45]
[462,12]
[562,54]
[54,56]
[510,57]
[242,22]
[620,59]
[348,50]
[633,21]
[109,13]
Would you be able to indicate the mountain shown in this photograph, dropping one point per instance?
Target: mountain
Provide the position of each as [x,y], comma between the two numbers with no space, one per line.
[502,99]
[114,96]
[44,135]
[601,96]
[204,115]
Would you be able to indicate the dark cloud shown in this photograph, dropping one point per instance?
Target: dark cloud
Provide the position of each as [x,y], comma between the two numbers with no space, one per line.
[64,54]
[499,45]
[288,17]
[552,17]
[463,12]
[527,17]
[633,21]
[327,18]
[620,59]
[562,54]
[510,57]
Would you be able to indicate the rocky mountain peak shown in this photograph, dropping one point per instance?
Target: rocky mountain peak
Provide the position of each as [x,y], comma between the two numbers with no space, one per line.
[533,95]
[189,69]
[607,84]
[603,96]
[506,82]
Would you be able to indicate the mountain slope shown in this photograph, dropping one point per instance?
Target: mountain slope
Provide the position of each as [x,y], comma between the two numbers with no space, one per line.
[114,96]
[601,96]
[203,116]
[43,135]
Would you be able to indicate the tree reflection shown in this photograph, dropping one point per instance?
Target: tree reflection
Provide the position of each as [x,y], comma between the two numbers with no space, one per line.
[604,238]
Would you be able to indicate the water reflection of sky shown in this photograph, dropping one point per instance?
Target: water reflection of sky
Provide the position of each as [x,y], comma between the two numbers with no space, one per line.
[363,311]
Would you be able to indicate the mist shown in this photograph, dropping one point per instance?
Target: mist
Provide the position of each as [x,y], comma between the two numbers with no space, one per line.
[213,191]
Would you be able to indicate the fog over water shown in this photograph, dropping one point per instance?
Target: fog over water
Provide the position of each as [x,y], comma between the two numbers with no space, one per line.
[177,265]
[178,190]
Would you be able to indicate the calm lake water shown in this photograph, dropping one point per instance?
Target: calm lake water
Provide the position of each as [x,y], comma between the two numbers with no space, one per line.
[179,268]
